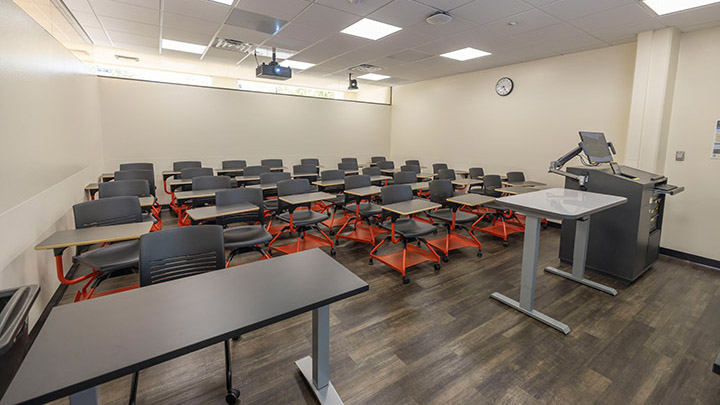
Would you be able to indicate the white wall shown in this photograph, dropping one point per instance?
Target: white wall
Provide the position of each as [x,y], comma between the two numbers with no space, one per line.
[162,123]
[691,221]
[462,121]
[50,147]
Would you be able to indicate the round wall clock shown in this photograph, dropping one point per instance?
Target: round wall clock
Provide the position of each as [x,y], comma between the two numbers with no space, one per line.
[504,86]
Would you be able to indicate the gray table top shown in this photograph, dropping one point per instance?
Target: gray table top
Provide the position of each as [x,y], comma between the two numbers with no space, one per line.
[471,199]
[186,195]
[467,182]
[247,178]
[526,183]
[98,234]
[364,191]
[90,342]
[170,173]
[520,190]
[147,201]
[411,206]
[213,211]
[92,187]
[560,203]
[108,175]
[391,171]
[420,185]
[277,168]
[425,175]
[329,183]
[307,197]
[303,175]
[380,178]
[179,182]
[266,186]
[222,171]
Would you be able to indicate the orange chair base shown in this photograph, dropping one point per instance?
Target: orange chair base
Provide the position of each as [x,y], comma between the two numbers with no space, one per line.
[363,234]
[502,229]
[411,256]
[335,221]
[301,244]
[453,241]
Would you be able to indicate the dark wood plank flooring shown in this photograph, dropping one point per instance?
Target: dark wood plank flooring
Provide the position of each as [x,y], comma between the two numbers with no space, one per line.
[441,339]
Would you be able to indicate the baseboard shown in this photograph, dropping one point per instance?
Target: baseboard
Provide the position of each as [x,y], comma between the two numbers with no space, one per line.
[690,257]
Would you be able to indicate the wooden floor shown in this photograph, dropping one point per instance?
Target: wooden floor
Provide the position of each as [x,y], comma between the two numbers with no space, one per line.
[442,340]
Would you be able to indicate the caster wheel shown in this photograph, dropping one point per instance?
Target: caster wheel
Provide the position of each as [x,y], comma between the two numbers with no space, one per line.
[332,252]
[505,244]
[232,397]
[336,241]
[331,233]
[405,280]
[445,259]
[437,266]
[370,262]
[479,253]
[236,338]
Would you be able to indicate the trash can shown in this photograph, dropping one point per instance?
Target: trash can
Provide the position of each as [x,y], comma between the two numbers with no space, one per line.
[15,306]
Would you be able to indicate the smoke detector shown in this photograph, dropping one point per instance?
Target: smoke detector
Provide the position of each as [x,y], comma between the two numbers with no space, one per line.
[233,45]
[439,18]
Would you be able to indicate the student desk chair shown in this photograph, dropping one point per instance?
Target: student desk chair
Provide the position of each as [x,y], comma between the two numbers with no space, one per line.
[504,222]
[359,189]
[398,201]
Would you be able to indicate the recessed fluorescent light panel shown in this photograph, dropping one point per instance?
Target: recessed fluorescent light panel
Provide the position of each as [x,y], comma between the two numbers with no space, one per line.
[373,76]
[296,64]
[226,2]
[370,29]
[183,46]
[465,54]
[671,6]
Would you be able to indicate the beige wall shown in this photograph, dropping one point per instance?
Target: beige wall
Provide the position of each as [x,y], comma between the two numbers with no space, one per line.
[161,123]
[462,121]
[691,222]
[50,146]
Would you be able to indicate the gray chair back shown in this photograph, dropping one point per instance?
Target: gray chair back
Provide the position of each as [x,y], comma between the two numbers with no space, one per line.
[138,188]
[256,170]
[404,177]
[446,174]
[440,190]
[357,181]
[396,193]
[371,171]
[438,166]
[191,172]
[273,177]
[271,162]
[332,175]
[148,175]
[234,164]
[310,161]
[350,166]
[176,253]
[412,162]
[107,211]
[137,166]
[305,169]
[177,166]
[410,168]
[491,182]
[514,177]
[386,165]
[210,182]
[377,159]
[349,160]
[476,172]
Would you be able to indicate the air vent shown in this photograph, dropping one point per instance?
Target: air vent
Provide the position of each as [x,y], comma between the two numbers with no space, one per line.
[127,58]
[233,45]
[365,67]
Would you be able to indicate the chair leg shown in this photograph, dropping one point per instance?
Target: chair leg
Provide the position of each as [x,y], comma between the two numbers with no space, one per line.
[133,388]
[232,394]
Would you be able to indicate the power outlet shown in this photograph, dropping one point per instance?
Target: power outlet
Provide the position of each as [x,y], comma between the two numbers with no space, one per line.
[679,155]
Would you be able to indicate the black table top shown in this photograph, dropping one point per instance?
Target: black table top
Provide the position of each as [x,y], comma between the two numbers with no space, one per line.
[716,366]
[87,343]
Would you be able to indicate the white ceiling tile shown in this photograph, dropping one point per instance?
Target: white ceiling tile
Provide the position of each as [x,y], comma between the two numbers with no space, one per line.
[387,63]
[444,5]
[331,47]
[287,43]
[130,27]
[409,55]
[143,3]
[619,16]
[479,38]
[98,36]
[124,11]
[402,40]
[561,38]
[123,37]
[539,3]
[456,26]
[403,13]
[79,5]
[326,17]
[526,21]
[306,33]
[362,8]
[242,34]
[222,55]
[184,36]
[283,9]
[569,9]
[86,19]
[204,10]
[612,34]
[708,16]
[124,47]
[189,24]
[485,11]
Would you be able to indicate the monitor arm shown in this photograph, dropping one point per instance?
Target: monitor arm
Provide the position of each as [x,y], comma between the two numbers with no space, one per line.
[557,165]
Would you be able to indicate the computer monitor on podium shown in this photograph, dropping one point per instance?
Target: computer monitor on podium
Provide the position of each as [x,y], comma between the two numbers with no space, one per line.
[596,147]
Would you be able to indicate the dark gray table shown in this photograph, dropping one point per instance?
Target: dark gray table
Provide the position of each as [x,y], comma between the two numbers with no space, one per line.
[85,344]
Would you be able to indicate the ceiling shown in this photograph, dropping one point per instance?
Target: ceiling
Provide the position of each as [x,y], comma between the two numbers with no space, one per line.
[541,28]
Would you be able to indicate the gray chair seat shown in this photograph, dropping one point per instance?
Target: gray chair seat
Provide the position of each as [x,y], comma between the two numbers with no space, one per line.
[304,217]
[113,257]
[446,214]
[147,217]
[409,228]
[339,200]
[366,209]
[494,206]
[246,236]
[271,205]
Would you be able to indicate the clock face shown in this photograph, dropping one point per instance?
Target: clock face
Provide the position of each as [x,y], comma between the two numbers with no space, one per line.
[504,86]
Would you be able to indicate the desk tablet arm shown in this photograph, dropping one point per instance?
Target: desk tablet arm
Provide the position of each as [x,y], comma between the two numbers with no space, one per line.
[557,165]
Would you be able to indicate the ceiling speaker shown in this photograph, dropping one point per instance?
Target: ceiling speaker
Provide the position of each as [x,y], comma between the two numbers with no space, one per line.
[439,18]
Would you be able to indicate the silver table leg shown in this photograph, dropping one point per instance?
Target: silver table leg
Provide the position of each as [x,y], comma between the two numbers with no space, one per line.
[531,245]
[90,396]
[316,369]
[582,234]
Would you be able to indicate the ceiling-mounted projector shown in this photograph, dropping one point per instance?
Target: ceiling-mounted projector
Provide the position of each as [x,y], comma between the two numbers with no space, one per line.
[273,70]
[438,18]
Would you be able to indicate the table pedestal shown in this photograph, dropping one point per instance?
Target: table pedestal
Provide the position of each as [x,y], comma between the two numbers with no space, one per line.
[316,368]
[531,246]
[582,234]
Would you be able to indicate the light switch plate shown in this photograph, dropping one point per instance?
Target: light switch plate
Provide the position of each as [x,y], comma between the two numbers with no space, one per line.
[679,155]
